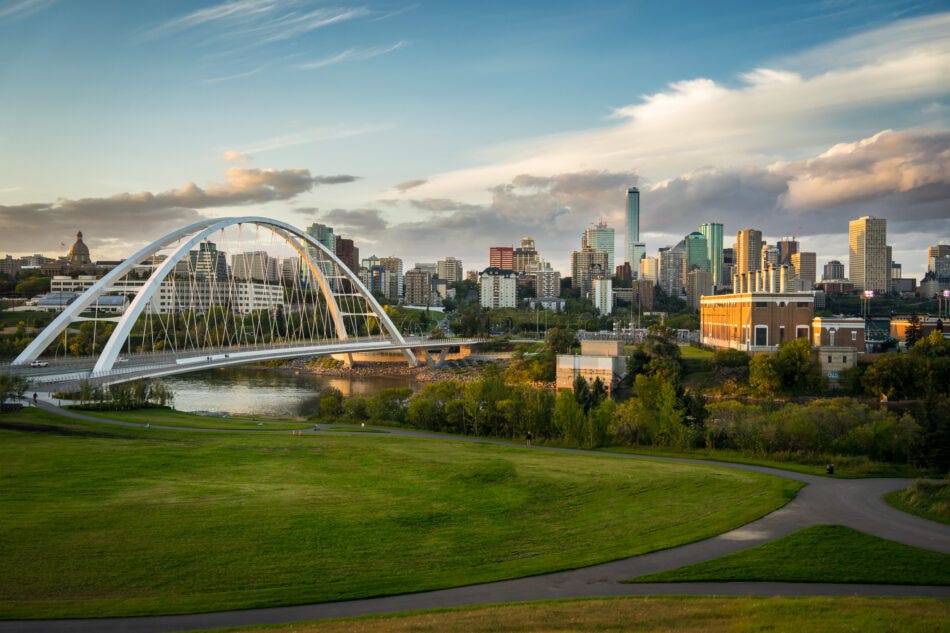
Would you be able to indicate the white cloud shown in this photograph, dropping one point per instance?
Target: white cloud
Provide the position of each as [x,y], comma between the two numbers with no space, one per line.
[351,55]
[21,8]
[840,91]
[308,136]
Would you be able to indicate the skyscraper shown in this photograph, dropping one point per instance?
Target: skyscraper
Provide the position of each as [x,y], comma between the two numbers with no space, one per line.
[586,264]
[393,265]
[786,248]
[323,234]
[601,237]
[805,267]
[712,231]
[868,267]
[748,251]
[696,252]
[449,269]
[501,257]
[635,250]
[833,270]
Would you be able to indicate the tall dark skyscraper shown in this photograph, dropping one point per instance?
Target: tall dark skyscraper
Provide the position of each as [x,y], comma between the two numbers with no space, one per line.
[634,249]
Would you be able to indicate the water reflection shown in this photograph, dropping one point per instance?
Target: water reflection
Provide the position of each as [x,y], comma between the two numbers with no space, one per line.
[268,392]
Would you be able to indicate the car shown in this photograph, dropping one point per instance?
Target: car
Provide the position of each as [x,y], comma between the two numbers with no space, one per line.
[39,363]
[122,359]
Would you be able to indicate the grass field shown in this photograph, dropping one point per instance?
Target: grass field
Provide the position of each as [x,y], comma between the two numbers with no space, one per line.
[682,615]
[846,466]
[822,553]
[103,520]
[928,500]
[171,417]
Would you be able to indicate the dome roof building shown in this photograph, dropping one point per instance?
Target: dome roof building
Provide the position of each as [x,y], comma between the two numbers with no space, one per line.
[78,254]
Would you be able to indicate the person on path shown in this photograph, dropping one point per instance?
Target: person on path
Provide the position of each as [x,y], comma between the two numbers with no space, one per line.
[528,439]
[34,398]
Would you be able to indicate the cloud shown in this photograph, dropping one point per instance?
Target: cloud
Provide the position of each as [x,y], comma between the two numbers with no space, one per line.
[904,176]
[239,158]
[364,222]
[352,54]
[409,184]
[21,8]
[145,215]
[250,73]
[335,180]
[310,135]
[787,109]
[901,176]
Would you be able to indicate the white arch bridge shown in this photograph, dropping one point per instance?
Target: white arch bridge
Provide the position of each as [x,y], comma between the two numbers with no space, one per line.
[179,305]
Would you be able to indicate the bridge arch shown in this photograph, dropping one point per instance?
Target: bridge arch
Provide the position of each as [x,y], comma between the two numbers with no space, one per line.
[187,238]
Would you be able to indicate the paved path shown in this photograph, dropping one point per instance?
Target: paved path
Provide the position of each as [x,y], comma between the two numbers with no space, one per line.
[856,503]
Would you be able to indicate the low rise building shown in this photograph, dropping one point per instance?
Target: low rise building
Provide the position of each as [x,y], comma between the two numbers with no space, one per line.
[755,321]
[602,359]
[837,342]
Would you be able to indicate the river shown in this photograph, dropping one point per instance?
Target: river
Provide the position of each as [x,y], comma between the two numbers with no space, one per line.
[268,392]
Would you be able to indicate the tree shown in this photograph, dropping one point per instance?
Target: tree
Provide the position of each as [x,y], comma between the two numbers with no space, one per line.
[330,404]
[798,371]
[33,286]
[569,419]
[560,340]
[914,331]
[763,377]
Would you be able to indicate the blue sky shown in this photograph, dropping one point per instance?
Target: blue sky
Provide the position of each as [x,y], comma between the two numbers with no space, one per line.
[498,119]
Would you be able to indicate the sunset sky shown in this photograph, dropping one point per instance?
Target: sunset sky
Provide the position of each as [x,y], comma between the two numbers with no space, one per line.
[427,129]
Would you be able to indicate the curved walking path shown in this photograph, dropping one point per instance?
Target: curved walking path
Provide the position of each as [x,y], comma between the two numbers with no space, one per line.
[856,503]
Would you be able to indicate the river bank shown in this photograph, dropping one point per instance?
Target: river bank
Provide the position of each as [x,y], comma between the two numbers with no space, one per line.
[330,368]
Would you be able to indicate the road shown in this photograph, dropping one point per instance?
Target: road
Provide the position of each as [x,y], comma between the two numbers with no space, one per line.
[856,503]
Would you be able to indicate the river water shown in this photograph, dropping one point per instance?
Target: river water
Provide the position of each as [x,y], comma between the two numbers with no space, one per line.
[268,392]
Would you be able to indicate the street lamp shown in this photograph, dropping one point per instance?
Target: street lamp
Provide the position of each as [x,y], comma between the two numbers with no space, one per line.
[866,297]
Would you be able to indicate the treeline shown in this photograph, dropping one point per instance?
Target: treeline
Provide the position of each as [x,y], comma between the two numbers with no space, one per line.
[136,394]
[660,412]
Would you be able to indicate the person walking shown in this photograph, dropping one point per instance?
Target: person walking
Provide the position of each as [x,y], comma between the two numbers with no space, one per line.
[528,439]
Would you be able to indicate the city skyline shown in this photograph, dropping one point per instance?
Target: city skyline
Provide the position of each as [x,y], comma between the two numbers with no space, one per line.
[403,126]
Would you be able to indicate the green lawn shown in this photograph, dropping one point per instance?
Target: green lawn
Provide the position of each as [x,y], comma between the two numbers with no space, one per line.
[171,417]
[822,553]
[682,615]
[846,466]
[925,499]
[101,520]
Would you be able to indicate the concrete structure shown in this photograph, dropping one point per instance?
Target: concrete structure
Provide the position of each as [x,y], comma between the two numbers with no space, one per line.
[78,255]
[770,255]
[600,237]
[65,283]
[804,267]
[748,251]
[868,268]
[632,244]
[498,288]
[786,248]
[649,269]
[699,283]
[833,271]
[417,285]
[208,262]
[712,231]
[547,282]
[585,265]
[449,269]
[670,272]
[755,321]
[394,265]
[603,295]
[348,253]
[501,257]
[598,359]
[526,258]
[695,253]
[254,266]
